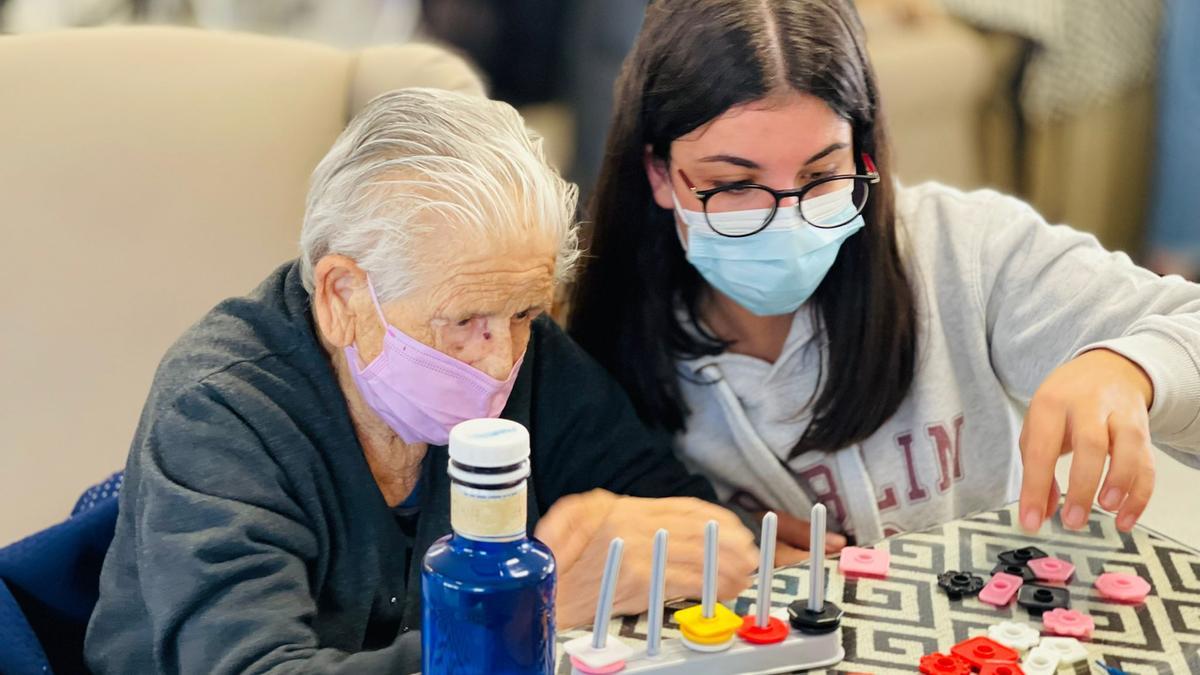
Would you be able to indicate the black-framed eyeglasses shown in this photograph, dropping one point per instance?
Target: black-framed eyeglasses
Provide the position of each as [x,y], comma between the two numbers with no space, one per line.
[825,203]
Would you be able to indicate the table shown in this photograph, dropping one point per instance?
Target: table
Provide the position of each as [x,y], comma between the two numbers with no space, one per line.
[890,623]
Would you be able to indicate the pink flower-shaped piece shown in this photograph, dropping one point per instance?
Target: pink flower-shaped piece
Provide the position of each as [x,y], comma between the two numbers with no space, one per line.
[1001,589]
[1069,622]
[1051,569]
[864,562]
[1122,587]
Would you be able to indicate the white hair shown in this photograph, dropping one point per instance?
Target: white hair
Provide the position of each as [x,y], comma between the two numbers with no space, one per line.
[418,163]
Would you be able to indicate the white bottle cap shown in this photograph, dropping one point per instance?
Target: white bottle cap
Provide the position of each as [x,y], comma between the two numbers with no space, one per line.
[489,443]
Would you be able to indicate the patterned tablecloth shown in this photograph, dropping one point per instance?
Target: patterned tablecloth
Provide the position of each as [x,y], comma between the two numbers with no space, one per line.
[890,623]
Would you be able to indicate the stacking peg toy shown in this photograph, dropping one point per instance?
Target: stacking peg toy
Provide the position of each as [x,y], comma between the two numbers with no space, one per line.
[708,644]
[658,583]
[600,653]
[816,616]
[709,626]
[761,627]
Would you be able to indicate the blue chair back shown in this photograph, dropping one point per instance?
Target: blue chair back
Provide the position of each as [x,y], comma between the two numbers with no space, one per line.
[49,584]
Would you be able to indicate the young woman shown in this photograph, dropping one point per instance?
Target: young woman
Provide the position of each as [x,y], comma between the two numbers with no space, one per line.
[810,330]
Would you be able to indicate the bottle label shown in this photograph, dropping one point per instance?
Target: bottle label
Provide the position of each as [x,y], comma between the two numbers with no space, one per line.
[488,515]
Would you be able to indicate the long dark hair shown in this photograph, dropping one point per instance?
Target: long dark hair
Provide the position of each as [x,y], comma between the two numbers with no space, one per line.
[692,62]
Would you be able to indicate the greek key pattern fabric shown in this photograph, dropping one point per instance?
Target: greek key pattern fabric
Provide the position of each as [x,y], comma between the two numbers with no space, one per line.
[890,623]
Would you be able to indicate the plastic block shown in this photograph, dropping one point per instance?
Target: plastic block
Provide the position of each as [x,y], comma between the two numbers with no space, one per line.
[944,664]
[1069,622]
[1051,569]
[1040,661]
[864,562]
[1122,587]
[1070,651]
[980,650]
[1001,589]
[1015,634]
[608,659]
[1001,669]
[1038,598]
[1022,571]
[957,584]
[709,632]
[1021,556]
[814,623]
[774,631]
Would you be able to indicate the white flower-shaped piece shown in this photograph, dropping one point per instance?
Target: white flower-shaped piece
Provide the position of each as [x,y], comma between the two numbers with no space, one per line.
[1015,634]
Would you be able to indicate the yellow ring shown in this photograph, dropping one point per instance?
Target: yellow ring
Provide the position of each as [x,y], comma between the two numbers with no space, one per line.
[707,639]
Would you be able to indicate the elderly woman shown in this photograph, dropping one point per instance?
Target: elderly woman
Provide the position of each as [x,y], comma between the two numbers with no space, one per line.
[287,474]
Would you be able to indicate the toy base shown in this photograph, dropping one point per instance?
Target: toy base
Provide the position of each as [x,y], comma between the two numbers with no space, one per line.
[578,666]
[797,652]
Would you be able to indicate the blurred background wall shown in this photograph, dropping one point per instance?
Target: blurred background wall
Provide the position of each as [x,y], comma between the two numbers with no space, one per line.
[1056,101]
[1082,107]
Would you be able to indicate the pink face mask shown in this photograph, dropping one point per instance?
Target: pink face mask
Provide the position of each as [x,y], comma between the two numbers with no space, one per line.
[422,393]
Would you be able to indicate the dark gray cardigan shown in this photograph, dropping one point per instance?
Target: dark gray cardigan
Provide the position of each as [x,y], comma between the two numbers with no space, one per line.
[252,536]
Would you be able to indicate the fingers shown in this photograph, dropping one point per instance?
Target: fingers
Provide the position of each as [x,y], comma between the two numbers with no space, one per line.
[571,524]
[1130,446]
[1139,496]
[729,587]
[737,561]
[793,531]
[1130,480]
[1041,445]
[788,555]
[1089,450]
[1055,495]
[797,532]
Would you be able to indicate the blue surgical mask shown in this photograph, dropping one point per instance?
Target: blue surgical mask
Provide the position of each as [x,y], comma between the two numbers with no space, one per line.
[778,269]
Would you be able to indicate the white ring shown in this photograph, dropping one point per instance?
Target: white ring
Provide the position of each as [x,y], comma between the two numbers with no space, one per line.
[710,649]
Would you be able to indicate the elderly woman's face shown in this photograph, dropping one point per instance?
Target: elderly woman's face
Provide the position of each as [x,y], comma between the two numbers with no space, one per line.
[474,302]
[478,304]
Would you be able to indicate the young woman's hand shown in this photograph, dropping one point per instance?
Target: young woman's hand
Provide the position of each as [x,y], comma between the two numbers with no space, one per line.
[792,540]
[1095,407]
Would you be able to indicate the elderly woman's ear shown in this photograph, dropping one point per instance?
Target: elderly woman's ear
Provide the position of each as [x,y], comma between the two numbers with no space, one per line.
[340,302]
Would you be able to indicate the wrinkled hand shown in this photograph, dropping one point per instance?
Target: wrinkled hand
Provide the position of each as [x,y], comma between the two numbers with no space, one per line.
[578,529]
[793,539]
[1095,407]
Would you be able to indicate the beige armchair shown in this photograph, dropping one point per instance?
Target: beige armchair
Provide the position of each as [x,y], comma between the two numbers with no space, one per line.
[145,174]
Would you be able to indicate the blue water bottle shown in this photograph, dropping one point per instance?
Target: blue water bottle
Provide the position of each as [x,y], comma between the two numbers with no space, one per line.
[488,588]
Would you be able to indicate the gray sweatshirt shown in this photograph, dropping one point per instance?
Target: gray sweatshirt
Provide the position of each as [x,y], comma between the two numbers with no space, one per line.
[1003,299]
